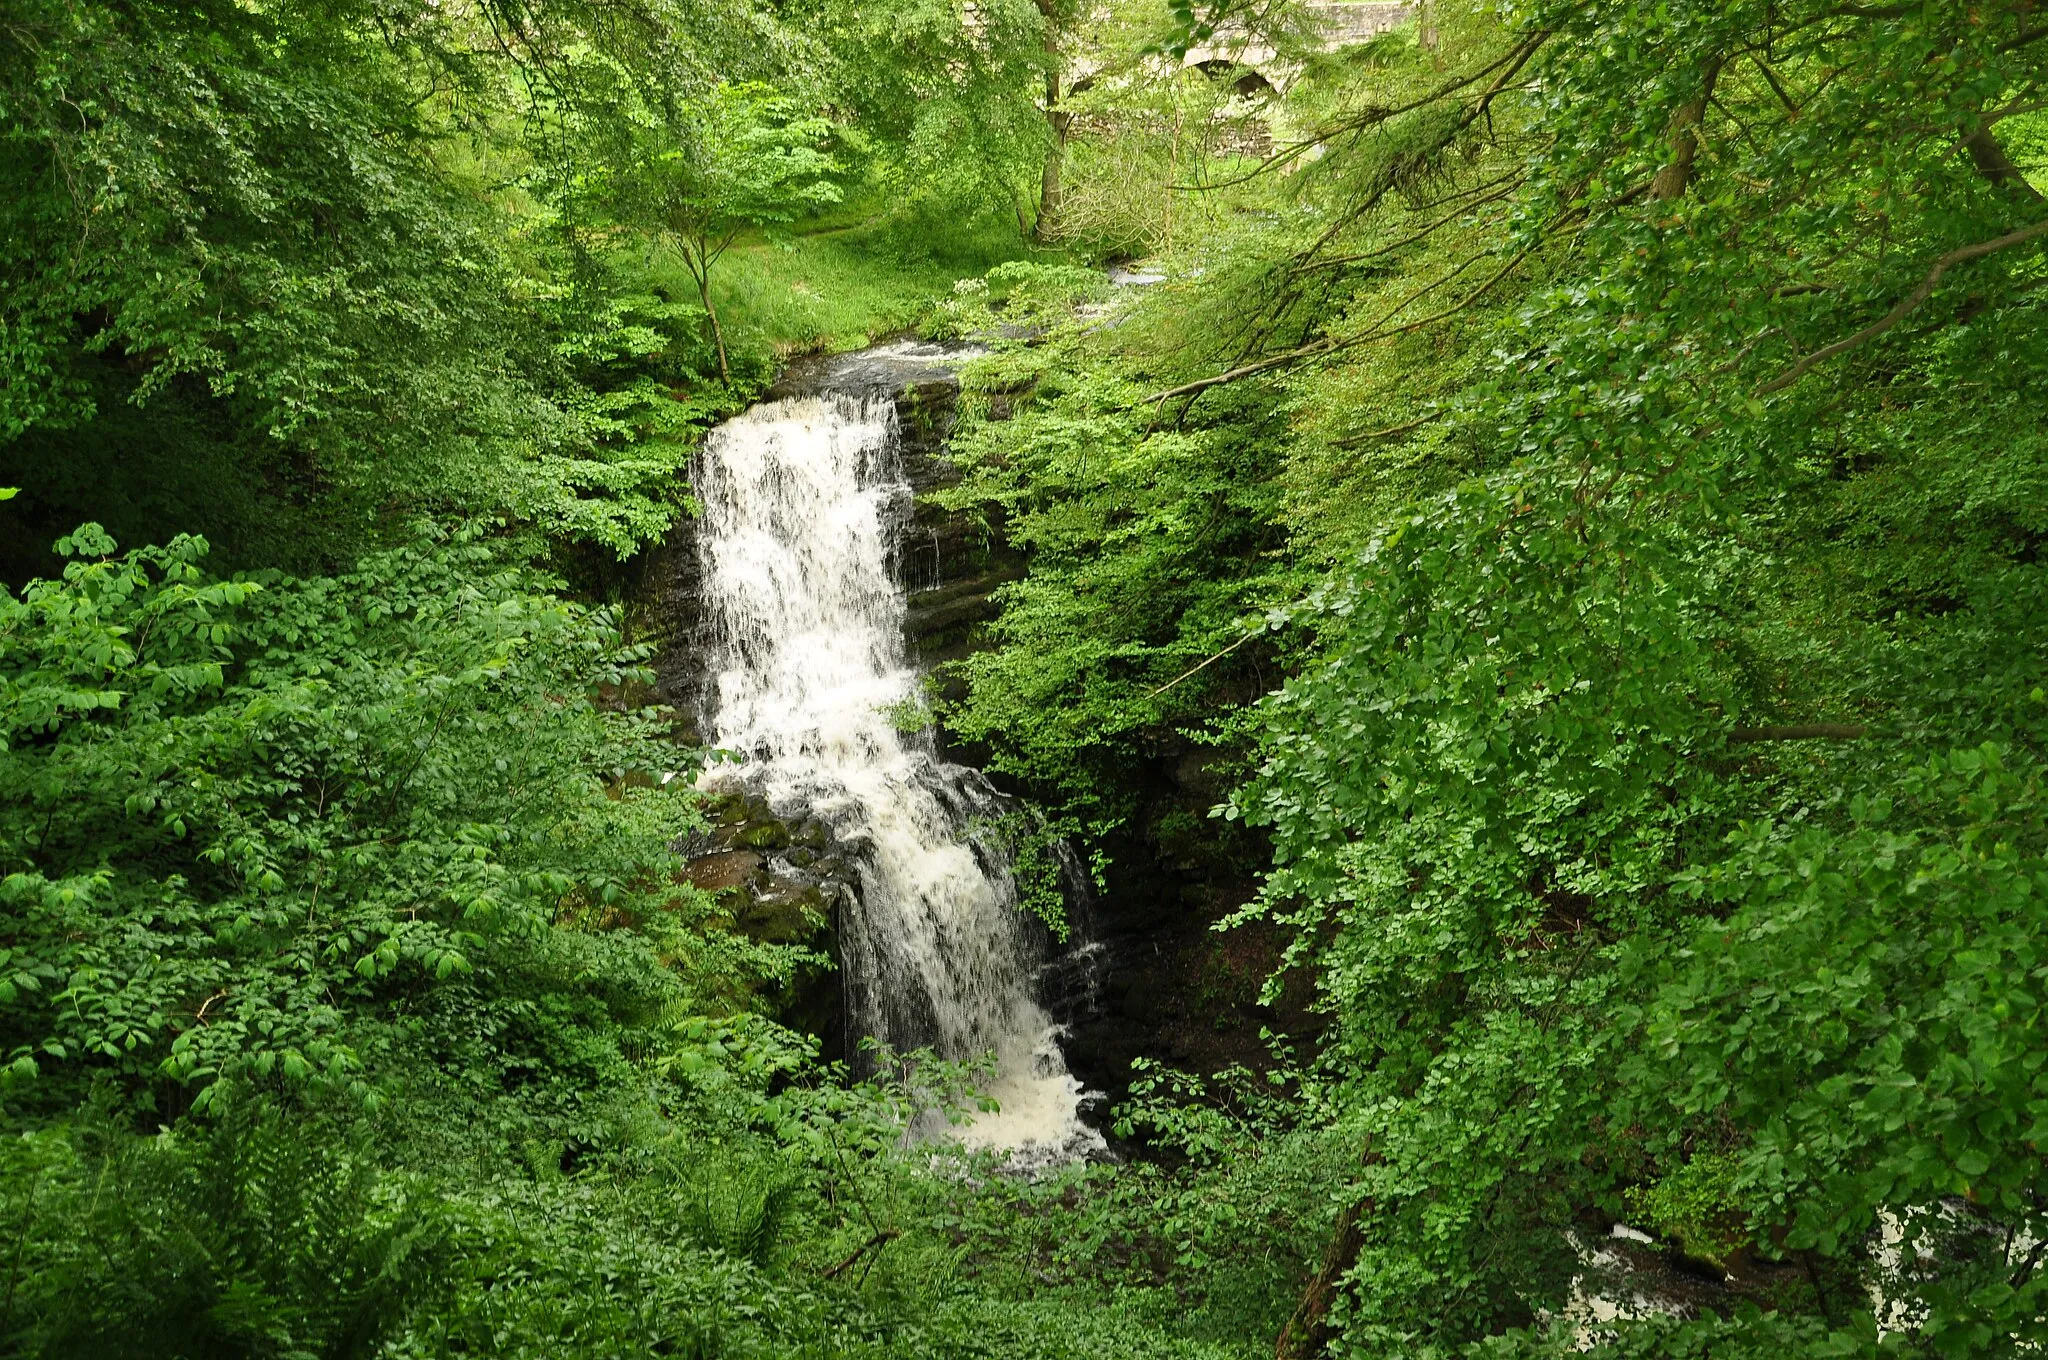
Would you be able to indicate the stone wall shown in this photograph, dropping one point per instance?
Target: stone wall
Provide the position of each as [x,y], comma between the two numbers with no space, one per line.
[1343,23]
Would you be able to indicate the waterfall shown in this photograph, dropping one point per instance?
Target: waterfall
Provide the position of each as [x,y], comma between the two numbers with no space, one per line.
[810,681]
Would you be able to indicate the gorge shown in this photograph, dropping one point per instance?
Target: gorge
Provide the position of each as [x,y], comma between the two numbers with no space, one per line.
[1023,680]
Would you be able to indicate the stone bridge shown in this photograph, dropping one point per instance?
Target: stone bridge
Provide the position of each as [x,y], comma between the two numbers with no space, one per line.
[1260,68]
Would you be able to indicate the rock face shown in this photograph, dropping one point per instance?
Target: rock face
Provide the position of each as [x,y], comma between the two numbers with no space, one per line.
[1166,984]
[782,882]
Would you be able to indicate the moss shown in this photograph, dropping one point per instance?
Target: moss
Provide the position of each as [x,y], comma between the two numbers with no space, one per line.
[779,915]
[766,834]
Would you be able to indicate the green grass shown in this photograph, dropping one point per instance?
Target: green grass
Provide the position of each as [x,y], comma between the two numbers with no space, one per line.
[838,282]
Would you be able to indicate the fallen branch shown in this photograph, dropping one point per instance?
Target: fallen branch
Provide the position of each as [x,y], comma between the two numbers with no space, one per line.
[1925,290]
[1204,662]
[1800,732]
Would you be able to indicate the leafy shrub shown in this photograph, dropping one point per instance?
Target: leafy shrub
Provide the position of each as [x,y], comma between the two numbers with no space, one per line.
[294,811]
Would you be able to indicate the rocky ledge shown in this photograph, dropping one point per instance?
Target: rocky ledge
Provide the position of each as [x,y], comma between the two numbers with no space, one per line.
[782,882]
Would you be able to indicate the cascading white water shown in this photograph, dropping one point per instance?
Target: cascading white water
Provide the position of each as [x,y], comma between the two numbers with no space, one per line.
[810,678]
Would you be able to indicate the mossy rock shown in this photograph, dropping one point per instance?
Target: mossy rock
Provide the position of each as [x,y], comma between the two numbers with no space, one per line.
[768,834]
[782,914]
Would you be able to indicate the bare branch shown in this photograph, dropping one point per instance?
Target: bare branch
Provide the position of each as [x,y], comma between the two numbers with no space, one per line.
[1260,631]
[1925,290]
[1777,85]
[878,1240]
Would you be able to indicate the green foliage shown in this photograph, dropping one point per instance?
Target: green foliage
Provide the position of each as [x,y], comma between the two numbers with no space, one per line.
[245,1238]
[945,99]
[290,806]
[1040,856]
[1654,786]
[358,888]
[1696,1206]
[698,173]
[1148,554]
[1606,437]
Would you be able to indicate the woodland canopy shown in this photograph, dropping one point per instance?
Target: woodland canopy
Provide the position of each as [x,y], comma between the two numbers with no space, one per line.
[1577,501]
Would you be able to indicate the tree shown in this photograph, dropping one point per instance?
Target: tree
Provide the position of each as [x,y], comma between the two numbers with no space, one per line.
[1058,120]
[258,277]
[1654,792]
[946,97]
[743,156]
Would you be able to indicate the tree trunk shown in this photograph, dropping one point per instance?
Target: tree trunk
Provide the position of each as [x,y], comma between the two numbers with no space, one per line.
[703,277]
[1684,138]
[1057,121]
[1307,1333]
[1049,187]
[1993,164]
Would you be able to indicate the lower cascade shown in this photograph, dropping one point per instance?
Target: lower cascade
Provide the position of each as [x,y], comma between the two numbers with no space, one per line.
[810,681]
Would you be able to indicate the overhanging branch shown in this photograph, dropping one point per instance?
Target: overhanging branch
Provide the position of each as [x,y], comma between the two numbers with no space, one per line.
[1920,294]
[1333,344]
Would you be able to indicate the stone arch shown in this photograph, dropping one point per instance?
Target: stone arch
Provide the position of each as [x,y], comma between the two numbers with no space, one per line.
[1247,80]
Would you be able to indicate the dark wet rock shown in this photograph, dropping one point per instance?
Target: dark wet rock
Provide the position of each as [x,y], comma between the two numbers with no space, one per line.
[1171,986]
[721,869]
[786,910]
[781,882]
[941,621]
[888,369]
